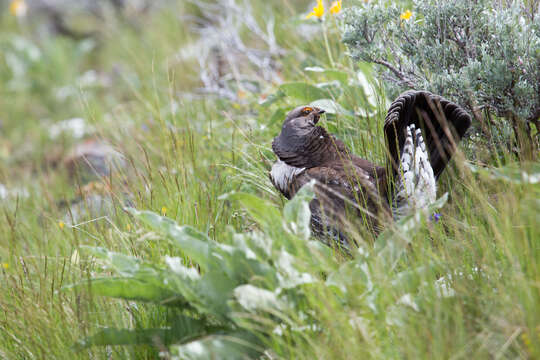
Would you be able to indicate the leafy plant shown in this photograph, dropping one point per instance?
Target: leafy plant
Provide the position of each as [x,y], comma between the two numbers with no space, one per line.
[250,275]
[266,273]
[483,54]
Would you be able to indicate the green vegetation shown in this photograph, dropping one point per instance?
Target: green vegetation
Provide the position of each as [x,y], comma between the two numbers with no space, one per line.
[484,55]
[184,249]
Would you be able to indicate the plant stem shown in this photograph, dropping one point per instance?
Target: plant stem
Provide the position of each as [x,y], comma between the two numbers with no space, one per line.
[327,45]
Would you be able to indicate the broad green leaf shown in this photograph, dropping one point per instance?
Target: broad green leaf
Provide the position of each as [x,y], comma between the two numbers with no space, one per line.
[243,264]
[341,76]
[297,214]
[233,346]
[261,210]
[239,264]
[397,314]
[213,291]
[176,266]
[192,242]
[259,243]
[367,83]
[253,298]
[331,107]
[303,92]
[353,274]
[130,267]
[413,276]
[369,87]
[333,88]
[131,289]
[111,336]
[181,279]
[183,328]
[123,264]
[321,257]
[367,69]
[289,275]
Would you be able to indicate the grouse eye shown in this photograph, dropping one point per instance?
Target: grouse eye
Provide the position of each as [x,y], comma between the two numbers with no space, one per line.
[307,110]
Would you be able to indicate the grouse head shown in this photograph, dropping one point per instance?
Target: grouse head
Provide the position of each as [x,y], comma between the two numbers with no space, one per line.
[303,116]
[299,125]
[301,142]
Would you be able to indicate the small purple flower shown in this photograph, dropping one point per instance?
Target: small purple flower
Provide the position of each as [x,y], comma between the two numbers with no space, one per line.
[435,217]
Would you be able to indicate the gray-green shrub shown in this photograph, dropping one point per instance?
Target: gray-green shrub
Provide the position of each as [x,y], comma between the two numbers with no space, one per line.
[483,54]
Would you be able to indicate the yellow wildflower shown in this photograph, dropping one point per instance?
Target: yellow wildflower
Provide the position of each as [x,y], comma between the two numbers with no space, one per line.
[525,338]
[335,8]
[18,8]
[406,15]
[128,227]
[241,94]
[317,11]
[5,266]
[61,225]
[164,211]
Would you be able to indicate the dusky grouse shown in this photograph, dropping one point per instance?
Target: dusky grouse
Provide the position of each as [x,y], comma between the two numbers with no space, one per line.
[352,194]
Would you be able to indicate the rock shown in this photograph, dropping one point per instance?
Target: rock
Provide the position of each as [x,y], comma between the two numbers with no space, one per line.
[91,160]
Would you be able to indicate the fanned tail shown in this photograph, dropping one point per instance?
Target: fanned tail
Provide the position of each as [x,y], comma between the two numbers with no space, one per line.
[442,123]
[422,131]
[416,185]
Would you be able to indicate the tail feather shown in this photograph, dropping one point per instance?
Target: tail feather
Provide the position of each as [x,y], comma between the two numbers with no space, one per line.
[415,185]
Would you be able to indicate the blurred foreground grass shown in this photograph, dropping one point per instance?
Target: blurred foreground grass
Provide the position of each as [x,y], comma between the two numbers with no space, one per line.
[179,144]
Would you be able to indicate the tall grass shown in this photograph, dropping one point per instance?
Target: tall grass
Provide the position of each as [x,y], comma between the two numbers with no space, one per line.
[466,287]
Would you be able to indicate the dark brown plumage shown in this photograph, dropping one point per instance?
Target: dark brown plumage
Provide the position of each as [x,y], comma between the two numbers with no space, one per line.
[353,193]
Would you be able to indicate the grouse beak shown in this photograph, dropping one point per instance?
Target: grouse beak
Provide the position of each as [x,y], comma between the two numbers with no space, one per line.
[318,114]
